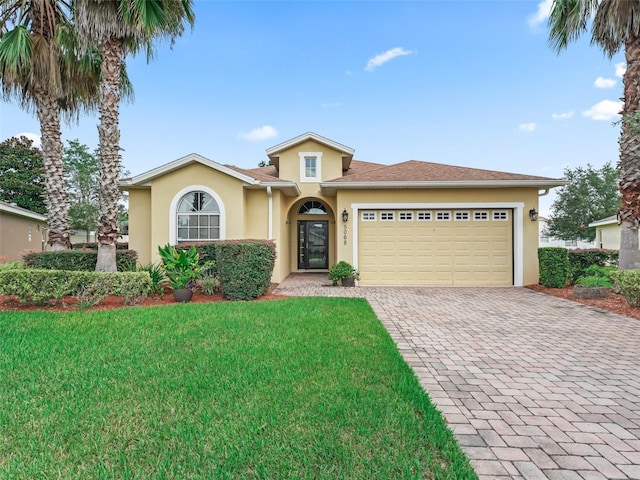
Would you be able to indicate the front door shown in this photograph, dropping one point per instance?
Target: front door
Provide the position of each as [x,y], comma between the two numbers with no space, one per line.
[313,249]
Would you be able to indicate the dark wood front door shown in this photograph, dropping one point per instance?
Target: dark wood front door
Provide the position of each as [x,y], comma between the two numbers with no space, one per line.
[313,248]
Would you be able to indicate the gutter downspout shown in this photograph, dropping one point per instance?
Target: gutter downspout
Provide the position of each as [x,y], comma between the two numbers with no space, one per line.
[270,195]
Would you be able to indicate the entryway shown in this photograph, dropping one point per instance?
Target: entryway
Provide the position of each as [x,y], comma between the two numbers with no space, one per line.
[313,246]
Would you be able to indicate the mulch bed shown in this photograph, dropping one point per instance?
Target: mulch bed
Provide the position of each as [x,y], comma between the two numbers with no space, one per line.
[11,303]
[615,303]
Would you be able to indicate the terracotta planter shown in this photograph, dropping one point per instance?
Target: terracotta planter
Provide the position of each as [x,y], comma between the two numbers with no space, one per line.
[183,295]
[348,282]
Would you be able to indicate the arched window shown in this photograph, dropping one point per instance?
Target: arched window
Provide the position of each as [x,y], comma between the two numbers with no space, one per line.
[198,217]
[312,207]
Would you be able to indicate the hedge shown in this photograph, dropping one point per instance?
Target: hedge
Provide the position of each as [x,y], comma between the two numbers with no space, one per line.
[580,260]
[245,267]
[43,286]
[628,281]
[554,266]
[94,246]
[77,260]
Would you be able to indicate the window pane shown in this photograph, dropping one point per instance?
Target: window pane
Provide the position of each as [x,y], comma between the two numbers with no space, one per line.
[214,221]
[193,232]
[204,220]
[182,233]
[183,220]
[310,166]
[203,233]
[193,220]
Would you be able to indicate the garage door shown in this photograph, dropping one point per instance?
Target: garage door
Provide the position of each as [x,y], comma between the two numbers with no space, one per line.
[435,247]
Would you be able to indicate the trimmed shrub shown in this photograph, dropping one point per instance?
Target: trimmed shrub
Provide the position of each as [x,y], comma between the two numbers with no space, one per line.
[77,260]
[245,267]
[581,260]
[554,266]
[46,287]
[628,281]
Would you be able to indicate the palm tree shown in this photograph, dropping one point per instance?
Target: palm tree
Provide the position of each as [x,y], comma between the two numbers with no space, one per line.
[615,24]
[119,28]
[39,68]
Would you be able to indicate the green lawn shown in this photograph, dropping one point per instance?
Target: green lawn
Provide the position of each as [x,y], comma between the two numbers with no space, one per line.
[297,388]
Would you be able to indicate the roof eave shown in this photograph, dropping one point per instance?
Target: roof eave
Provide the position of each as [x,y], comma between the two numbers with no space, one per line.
[4,207]
[329,188]
[290,189]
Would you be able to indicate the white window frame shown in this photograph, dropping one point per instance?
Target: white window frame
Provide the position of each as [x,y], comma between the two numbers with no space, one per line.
[427,216]
[303,170]
[461,213]
[173,211]
[386,214]
[364,215]
[518,225]
[444,213]
[408,216]
[478,214]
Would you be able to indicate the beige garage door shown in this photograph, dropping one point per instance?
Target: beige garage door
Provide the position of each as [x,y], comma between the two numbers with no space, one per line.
[435,247]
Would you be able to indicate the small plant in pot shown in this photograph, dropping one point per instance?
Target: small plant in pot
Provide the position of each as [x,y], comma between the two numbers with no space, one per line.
[182,270]
[344,272]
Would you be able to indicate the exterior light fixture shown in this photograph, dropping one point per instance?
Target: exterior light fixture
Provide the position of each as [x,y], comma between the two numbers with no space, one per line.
[533,215]
[345,216]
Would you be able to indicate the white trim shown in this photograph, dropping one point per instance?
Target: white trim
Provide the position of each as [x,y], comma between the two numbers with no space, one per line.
[309,136]
[613,219]
[23,212]
[303,167]
[173,207]
[186,160]
[518,225]
[270,195]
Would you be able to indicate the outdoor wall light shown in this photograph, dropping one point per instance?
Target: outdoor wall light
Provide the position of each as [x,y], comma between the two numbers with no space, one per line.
[533,215]
[345,216]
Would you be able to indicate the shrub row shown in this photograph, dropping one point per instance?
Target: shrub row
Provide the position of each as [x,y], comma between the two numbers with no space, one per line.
[628,281]
[77,260]
[43,286]
[559,266]
[94,246]
[244,267]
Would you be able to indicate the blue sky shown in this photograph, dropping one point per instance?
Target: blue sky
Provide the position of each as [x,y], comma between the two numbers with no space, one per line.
[470,83]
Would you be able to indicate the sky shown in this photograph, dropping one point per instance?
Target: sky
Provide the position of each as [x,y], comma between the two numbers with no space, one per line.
[469,83]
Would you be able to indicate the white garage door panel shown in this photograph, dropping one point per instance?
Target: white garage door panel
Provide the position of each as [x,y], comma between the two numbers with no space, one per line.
[463,252]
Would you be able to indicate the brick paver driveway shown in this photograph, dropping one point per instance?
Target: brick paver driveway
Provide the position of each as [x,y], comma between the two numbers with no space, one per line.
[533,386]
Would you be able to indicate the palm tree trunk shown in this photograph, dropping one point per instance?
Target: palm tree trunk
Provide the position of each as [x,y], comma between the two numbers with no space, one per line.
[112,51]
[55,198]
[629,164]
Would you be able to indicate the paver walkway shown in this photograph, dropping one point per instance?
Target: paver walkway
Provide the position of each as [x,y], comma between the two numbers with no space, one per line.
[533,386]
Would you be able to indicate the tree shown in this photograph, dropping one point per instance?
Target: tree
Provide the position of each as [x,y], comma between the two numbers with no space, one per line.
[119,28]
[81,172]
[614,24]
[22,174]
[39,67]
[81,180]
[592,194]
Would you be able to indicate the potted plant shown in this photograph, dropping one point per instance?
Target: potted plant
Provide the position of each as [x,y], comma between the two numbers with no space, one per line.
[344,272]
[182,270]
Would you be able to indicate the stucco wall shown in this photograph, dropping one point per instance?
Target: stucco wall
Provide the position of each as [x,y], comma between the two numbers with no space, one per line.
[19,235]
[140,224]
[608,236]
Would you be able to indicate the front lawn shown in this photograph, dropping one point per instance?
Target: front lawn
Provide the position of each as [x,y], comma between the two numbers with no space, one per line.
[296,388]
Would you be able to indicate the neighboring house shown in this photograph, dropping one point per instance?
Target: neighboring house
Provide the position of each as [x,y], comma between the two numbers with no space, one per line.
[607,232]
[548,241]
[412,223]
[21,230]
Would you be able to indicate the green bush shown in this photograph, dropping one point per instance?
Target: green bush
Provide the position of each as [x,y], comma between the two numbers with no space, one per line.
[245,267]
[206,253]
[594,281]
[42,287]
[580,260]
[554,266]
[94,246]
[156,275]
[77,260]
[628,281]
[11,265]
[342,270]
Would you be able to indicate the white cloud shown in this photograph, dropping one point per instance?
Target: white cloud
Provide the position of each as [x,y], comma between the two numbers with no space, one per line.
[563,115]
[527,127]
[604,110]
[605,82]
[34,137]
[383,58]
[541,15]
[620,69]
[258,134]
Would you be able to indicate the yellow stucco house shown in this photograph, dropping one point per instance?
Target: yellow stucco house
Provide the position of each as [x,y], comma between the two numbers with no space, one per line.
[21,230]
[412,223]
[607,232]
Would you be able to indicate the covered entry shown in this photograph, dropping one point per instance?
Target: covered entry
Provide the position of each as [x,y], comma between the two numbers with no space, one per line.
[312,240]
[436,246]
